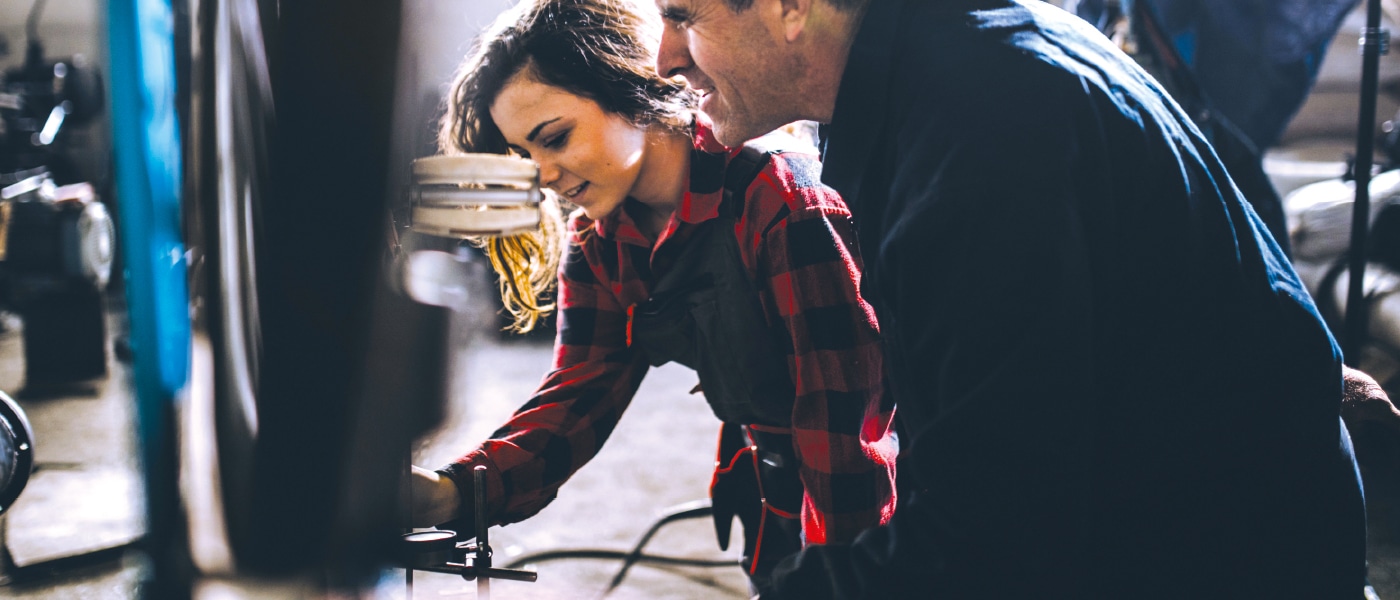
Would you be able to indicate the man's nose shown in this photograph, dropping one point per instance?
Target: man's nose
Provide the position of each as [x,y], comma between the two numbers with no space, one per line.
[674,56]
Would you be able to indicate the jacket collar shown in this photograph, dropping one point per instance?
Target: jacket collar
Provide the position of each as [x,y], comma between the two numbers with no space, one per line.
[700,203]
[858,119]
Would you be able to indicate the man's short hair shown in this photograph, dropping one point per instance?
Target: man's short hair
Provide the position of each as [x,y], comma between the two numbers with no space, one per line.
[841,5]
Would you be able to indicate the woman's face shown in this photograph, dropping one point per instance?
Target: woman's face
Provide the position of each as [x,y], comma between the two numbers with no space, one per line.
[591,157]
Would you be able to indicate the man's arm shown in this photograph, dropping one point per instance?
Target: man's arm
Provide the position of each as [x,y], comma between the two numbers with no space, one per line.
[1370,417]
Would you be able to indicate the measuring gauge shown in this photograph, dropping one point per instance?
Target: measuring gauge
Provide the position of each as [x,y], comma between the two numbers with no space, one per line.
[462,196]
[468,195]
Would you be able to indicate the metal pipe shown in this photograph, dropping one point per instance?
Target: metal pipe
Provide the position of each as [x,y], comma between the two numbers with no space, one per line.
[1374,42]
[482,562]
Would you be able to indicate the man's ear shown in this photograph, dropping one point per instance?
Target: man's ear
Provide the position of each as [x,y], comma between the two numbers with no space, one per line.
[794,17]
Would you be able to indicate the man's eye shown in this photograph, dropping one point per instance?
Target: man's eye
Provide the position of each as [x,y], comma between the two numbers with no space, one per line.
[676,16]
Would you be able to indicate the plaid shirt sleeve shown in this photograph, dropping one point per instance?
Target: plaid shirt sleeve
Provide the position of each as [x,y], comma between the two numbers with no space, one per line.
[575,408]
[842,418]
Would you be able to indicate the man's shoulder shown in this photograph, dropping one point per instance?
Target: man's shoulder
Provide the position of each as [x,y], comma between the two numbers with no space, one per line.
[790,187]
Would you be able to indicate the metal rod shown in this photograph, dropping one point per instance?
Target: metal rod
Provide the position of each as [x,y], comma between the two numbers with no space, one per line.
[482,562]
[407,490]
[1373,44]
[473,572]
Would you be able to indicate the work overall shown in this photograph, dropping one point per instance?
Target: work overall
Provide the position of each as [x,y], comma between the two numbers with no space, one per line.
[705,314]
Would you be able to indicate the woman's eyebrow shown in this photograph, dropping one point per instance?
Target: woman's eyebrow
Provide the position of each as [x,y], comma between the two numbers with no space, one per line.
[536,131]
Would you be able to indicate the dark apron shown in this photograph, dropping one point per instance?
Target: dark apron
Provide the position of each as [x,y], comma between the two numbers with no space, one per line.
[704,313]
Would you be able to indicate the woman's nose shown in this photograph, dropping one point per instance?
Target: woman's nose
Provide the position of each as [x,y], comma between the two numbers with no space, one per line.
[549,174]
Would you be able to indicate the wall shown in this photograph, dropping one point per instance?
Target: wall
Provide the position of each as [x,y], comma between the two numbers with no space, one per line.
[67,28]
[437,33]
[436,36]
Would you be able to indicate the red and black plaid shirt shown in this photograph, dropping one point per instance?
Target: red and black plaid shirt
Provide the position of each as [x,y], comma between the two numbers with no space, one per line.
[796,241]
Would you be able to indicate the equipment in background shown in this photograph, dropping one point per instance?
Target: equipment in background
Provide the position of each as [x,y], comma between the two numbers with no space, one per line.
[57,244]
[16,464]
[41,102]
[56,237]
[1319,216]
[16,457]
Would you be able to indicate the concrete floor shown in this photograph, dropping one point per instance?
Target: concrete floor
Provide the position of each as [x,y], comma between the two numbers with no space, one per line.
[86,491]
[660,456]
[85,494]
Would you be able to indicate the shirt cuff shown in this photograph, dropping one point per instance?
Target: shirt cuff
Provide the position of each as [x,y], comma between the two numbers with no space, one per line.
[464,523]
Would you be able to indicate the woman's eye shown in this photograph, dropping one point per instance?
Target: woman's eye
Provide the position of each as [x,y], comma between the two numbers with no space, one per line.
[557,141]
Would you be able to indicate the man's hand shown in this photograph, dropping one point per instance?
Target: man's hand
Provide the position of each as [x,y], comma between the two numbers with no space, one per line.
[1364,401]
[434,498]
[1371,418]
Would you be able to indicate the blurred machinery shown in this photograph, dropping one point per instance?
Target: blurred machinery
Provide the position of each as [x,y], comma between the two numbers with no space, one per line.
[16,464]
[1319,217]
[57,241]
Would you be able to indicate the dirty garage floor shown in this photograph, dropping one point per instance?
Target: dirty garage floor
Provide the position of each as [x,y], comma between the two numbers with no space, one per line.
[85,494]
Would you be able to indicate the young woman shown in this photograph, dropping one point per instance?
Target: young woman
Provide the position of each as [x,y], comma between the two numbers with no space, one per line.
[756,289]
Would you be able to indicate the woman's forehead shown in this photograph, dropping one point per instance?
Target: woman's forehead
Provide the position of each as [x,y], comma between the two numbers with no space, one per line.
[524,103]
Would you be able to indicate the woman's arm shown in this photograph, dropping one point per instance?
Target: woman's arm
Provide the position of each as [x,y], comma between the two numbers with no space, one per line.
[572,412]
[842,425]
[432,498]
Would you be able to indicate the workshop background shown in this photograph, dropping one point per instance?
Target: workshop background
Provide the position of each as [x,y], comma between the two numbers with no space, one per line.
[83,505]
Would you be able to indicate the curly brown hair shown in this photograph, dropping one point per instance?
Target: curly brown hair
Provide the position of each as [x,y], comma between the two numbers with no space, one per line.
[603,50]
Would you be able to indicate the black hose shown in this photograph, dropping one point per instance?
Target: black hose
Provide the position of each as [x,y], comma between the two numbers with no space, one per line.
[605,554]
[689,510]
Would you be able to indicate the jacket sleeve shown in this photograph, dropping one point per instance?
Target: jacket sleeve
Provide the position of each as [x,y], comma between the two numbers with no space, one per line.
[983,281]
[841,424]
[573,411]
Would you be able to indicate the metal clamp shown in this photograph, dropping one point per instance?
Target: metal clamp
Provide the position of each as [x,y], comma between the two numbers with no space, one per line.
[1375,36]
[436,552]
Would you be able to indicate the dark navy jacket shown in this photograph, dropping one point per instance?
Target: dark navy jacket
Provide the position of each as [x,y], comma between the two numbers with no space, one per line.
[1116,384]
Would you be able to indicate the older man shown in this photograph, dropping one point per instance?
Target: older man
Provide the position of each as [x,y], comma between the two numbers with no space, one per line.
[1116,383]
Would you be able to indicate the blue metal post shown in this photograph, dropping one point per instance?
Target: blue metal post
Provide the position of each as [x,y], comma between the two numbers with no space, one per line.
[147,150]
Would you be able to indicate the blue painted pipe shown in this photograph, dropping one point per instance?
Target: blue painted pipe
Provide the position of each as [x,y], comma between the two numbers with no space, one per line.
[146,138]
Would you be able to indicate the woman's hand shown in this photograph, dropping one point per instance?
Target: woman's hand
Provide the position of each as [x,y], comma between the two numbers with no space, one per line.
[433,498]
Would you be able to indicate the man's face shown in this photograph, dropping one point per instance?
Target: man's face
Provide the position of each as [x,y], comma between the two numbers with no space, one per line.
[736,60]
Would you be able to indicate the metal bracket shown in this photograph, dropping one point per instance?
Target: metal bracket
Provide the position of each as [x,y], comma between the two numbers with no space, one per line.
[1375,36]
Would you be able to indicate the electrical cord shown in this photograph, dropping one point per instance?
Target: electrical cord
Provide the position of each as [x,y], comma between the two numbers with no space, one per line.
[601,553]
[688,510]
